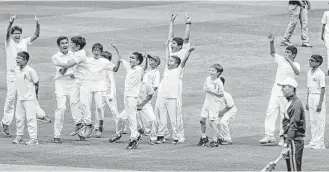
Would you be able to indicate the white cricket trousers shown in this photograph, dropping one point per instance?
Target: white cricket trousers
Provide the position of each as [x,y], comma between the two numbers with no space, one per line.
[277,105]
[146,115]
[326,43]
[169,106]
[26,109]
[80,102]
[224,132]
[10,102]
[113,108]
[63,88]
[99,108]
[181,132]
[317,119]
[129,113]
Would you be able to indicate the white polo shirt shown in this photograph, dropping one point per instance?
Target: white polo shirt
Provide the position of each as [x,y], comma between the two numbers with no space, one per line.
[228,102]
[80,58]
[133,79]
[25,80]
[316,81]
[12,48]
[283,71]
[59,57]
[152,76]
[144,91]
[213,102]
[170,82]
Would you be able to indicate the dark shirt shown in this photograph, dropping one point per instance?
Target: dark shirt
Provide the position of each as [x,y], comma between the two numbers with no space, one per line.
[294,127]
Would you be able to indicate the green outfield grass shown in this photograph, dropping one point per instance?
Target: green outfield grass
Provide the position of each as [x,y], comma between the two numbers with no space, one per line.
[233,34]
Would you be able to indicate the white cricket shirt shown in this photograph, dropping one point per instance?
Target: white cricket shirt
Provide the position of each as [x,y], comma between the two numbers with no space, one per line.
[25,80]
[12,48]
[133,79]
[316,81]
[59,57]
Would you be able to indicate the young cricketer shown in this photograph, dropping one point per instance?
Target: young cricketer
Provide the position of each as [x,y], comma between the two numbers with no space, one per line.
[287,67]
[316,102]
[294,126]
[27,83]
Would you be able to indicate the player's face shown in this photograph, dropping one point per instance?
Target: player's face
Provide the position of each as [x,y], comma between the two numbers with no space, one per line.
[289,54]
[97,52]
[172,63]
[287,90]
[152,63]
[74,47]
[133,60]
[313,62]
[16,35]
[175,47]
[20,61]
[64,44]
[213,72]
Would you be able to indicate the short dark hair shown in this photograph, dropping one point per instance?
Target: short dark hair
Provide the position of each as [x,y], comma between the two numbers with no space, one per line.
[139,57]
[107,55]
[177,60]
[293,49]
[13,29]
[178,40]
[59,39]
[25,55]
[218,67]
[79,40]
[97,45]
[222,79]
[318,58]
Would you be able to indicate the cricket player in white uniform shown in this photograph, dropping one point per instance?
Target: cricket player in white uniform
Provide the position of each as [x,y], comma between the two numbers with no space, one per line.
[287,67]
[214,89]
[27,83]
[168,96]
[14,44]
[64,81]
[325,34]
[316,102]
[225,117]
[134,72]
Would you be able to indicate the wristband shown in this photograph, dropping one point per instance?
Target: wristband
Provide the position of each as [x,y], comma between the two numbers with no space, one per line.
[188,23]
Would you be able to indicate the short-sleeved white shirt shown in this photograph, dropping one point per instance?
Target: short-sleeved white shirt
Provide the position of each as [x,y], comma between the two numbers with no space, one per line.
[325,20]
[228,101]
[316,81]
[59,57]
[169,86]
[96,67]
[25,80]
[12,48]
[144,91]
[152,77]
[133,79]
[284,70]
[80,70]
[213,102]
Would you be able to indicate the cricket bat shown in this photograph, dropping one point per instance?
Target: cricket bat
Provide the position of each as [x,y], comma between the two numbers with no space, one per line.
[271,166]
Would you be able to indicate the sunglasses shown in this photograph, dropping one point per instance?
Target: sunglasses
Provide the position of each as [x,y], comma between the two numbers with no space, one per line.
[312,60]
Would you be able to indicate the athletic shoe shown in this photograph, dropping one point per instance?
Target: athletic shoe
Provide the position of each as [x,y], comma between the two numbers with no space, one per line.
[141,131]
[18,140]
[181,140]
[306,44]
[213,144]
[160,139]
[57,140]
[5,129]
[45,119]
[115,138]
[226,142]
[220,141]
[132,144]
[175,142]
[32,142]
[99,132]
[152,142]
[267,139]
[89,130]
[82,138]
[285,43]
[79,127]
[281,142]
[203,141]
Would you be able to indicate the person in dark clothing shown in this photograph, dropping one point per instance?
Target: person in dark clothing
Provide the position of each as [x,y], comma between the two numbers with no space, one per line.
[294,126]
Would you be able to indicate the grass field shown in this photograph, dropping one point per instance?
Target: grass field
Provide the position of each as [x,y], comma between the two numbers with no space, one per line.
[233,34]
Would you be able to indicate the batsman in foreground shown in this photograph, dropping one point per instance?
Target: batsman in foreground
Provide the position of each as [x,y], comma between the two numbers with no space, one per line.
[294,126]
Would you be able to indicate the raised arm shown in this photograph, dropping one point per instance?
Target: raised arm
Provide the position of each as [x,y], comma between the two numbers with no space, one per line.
[171,26]
[167,54]
[116,68]
[187,55]
[145,56]
[272,48]
[187,29]
[11,21]
[37,29]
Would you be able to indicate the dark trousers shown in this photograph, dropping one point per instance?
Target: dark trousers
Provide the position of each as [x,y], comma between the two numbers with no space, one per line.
[294,158]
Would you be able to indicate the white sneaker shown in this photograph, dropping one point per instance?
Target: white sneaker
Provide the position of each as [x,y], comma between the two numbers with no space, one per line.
[267,139]
[32,142]
[18,140]
[281,142]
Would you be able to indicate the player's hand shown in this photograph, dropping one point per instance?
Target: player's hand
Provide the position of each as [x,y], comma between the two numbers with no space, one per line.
[306,107]
[187,19]
[271,37]
[191,48]
[12,18]
[63,71]
[37,20]
[72,76]
[167,43]
[112,43]
[318,108]
[173,17]
[288,59]
[110,99]
[139,107]
[284,152]
[322,37]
